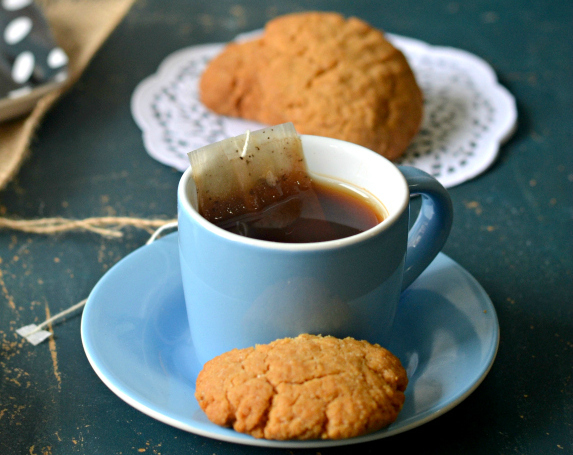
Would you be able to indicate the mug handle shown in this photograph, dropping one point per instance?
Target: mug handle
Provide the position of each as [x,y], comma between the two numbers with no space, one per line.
[430,231]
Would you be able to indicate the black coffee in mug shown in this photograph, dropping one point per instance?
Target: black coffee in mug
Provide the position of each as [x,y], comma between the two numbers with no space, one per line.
[328,210]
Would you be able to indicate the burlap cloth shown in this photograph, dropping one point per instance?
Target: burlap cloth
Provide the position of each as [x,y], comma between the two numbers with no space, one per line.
[80,27]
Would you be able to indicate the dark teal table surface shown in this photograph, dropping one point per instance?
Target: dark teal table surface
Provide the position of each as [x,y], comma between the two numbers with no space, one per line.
[512,231]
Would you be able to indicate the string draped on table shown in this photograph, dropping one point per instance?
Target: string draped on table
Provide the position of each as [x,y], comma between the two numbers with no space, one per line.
[105,226]
[109,226]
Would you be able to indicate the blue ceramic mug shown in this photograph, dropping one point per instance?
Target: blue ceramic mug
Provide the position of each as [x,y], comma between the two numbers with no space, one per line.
[241,291]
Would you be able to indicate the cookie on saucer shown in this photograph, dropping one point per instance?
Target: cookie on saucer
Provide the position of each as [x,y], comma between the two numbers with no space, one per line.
[308,387]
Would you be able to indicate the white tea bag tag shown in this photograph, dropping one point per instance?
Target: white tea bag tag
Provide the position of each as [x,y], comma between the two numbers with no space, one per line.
[33,334]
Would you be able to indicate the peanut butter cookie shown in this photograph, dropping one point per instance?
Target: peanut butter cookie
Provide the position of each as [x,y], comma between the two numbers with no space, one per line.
[328,75]
[308,387]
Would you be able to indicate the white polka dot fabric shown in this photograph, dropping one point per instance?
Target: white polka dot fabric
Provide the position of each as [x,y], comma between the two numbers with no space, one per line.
[29,57]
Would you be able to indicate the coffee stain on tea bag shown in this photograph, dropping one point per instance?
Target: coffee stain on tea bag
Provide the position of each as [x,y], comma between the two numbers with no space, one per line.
[251,181]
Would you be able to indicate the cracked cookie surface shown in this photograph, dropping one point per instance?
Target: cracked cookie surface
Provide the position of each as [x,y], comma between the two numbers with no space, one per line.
[308,387]
[328,75]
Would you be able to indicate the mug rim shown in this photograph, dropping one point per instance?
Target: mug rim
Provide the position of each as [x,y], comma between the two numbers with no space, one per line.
[186,206]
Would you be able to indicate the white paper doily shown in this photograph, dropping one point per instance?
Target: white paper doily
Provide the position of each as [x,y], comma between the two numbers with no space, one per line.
[467,113]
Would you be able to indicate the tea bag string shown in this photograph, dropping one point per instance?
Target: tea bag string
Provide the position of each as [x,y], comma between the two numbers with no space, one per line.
[246,146]
[60,315]
[158,232]
[35,333]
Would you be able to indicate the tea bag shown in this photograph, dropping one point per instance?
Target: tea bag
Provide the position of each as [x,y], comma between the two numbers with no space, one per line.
[253,177]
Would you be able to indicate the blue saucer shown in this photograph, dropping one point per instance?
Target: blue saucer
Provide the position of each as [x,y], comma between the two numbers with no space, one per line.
[136,337]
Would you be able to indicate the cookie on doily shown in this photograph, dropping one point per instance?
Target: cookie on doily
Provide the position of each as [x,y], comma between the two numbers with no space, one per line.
[308,387]
[328,75]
